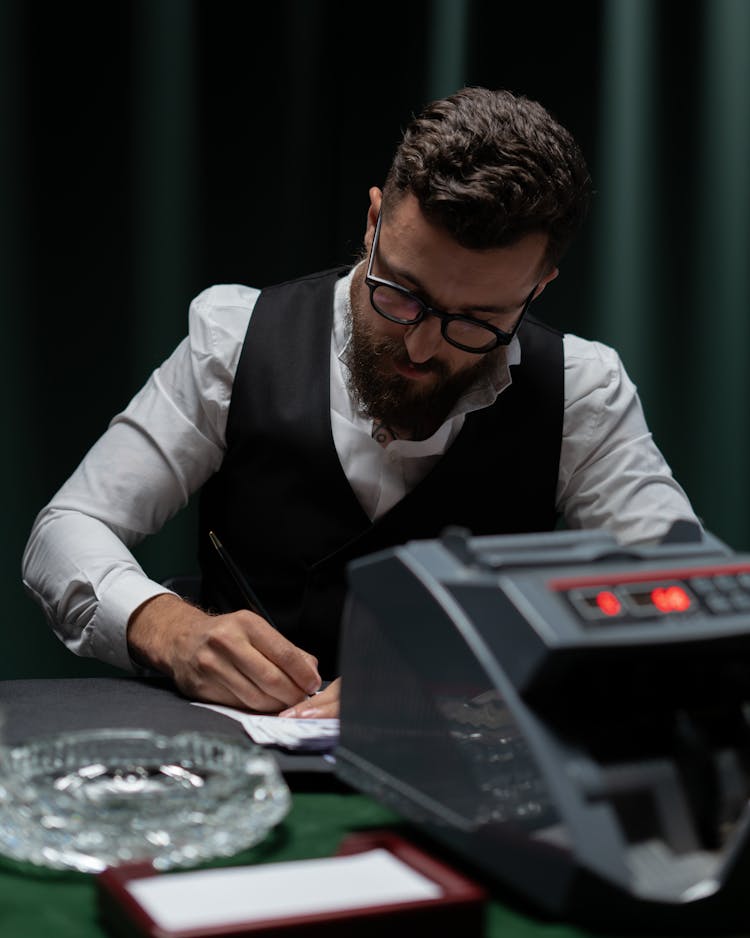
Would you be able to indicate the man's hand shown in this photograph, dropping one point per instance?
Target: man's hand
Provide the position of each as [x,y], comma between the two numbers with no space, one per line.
[236,659]
[324,704]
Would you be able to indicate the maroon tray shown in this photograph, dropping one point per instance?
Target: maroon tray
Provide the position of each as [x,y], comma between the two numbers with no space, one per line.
[461,906]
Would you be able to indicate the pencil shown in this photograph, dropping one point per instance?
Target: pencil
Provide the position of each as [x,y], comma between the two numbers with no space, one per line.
[246,591]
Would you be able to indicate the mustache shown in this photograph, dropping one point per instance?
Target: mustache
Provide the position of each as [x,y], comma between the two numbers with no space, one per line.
[396,351]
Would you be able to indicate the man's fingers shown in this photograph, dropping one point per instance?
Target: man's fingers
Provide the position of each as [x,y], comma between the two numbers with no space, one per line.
[254,671]
[229,657]
[219,677]
[237,659]
[316,712]
[322,705]
[299,666]
[250,697]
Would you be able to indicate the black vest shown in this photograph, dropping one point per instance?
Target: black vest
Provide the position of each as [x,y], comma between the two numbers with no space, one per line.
[282,506]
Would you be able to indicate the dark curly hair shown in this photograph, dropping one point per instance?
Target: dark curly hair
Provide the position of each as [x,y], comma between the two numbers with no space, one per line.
[490,167]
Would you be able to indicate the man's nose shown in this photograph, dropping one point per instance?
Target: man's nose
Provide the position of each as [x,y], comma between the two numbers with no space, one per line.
[423,340]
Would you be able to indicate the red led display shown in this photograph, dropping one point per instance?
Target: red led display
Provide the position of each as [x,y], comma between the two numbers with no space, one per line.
[609,604]
[670,599]
[629,602]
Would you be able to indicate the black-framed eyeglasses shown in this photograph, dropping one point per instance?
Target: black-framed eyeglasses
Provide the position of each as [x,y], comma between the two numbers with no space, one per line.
[400,305]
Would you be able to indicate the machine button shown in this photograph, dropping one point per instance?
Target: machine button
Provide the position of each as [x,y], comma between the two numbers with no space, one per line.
[702,585]
[717,603]
[725,582]
[740,601]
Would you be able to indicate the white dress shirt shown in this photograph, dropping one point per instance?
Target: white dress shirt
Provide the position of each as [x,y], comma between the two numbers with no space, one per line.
[171,439]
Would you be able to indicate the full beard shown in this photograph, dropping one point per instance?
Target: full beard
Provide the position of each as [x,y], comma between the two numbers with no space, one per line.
[410,408]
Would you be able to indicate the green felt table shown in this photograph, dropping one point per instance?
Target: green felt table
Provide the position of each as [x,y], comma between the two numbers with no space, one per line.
[40,903]
[50,904]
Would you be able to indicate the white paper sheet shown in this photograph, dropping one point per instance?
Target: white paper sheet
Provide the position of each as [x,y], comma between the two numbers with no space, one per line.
[306,735]
[280,890]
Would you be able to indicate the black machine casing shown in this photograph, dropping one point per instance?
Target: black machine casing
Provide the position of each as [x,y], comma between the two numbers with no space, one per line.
[568,715]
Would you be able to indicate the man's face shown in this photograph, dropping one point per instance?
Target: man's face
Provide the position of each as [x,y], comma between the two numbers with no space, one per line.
[409,377]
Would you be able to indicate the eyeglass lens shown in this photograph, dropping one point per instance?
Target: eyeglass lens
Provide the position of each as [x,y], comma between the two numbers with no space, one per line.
[405,308]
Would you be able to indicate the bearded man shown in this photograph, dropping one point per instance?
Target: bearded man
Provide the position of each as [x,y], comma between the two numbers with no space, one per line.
[355,409]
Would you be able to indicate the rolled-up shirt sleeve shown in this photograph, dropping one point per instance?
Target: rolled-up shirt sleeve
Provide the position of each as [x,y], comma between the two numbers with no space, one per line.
[612,474]
[167,442]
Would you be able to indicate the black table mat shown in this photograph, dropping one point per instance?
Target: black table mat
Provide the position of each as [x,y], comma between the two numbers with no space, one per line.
[44,707]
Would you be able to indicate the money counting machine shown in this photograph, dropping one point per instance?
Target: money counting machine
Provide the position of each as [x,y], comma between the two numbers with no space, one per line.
[570,717]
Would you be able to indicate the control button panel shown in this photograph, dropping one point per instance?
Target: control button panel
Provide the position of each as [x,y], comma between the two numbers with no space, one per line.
[624,600]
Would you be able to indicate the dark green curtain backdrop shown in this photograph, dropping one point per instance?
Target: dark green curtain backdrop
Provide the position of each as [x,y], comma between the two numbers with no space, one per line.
[150,148]
[671,259]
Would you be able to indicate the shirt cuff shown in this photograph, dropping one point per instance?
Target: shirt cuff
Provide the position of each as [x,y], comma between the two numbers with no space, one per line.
[107,633]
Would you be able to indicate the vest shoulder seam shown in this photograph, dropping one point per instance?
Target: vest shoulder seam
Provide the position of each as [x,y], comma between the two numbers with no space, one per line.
[323,274]
[533,321]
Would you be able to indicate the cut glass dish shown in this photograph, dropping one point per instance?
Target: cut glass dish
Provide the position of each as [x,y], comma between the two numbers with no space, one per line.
[92,799]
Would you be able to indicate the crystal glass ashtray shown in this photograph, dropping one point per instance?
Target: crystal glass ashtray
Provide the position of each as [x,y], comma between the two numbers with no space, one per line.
[92,799]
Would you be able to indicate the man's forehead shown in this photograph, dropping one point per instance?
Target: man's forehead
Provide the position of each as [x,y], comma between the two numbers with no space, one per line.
[418,251]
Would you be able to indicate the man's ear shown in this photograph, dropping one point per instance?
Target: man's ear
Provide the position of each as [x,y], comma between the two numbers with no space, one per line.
[547,278]
[376,200]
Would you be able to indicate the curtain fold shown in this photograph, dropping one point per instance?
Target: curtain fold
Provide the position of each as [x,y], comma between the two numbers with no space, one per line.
[719,318]
[163,216]
[19,463]
[164,153]
[448,48]
[627,218]
[672,236]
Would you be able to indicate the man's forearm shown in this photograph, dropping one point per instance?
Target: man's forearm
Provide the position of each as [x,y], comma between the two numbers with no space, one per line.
[81,572]
[155,628]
